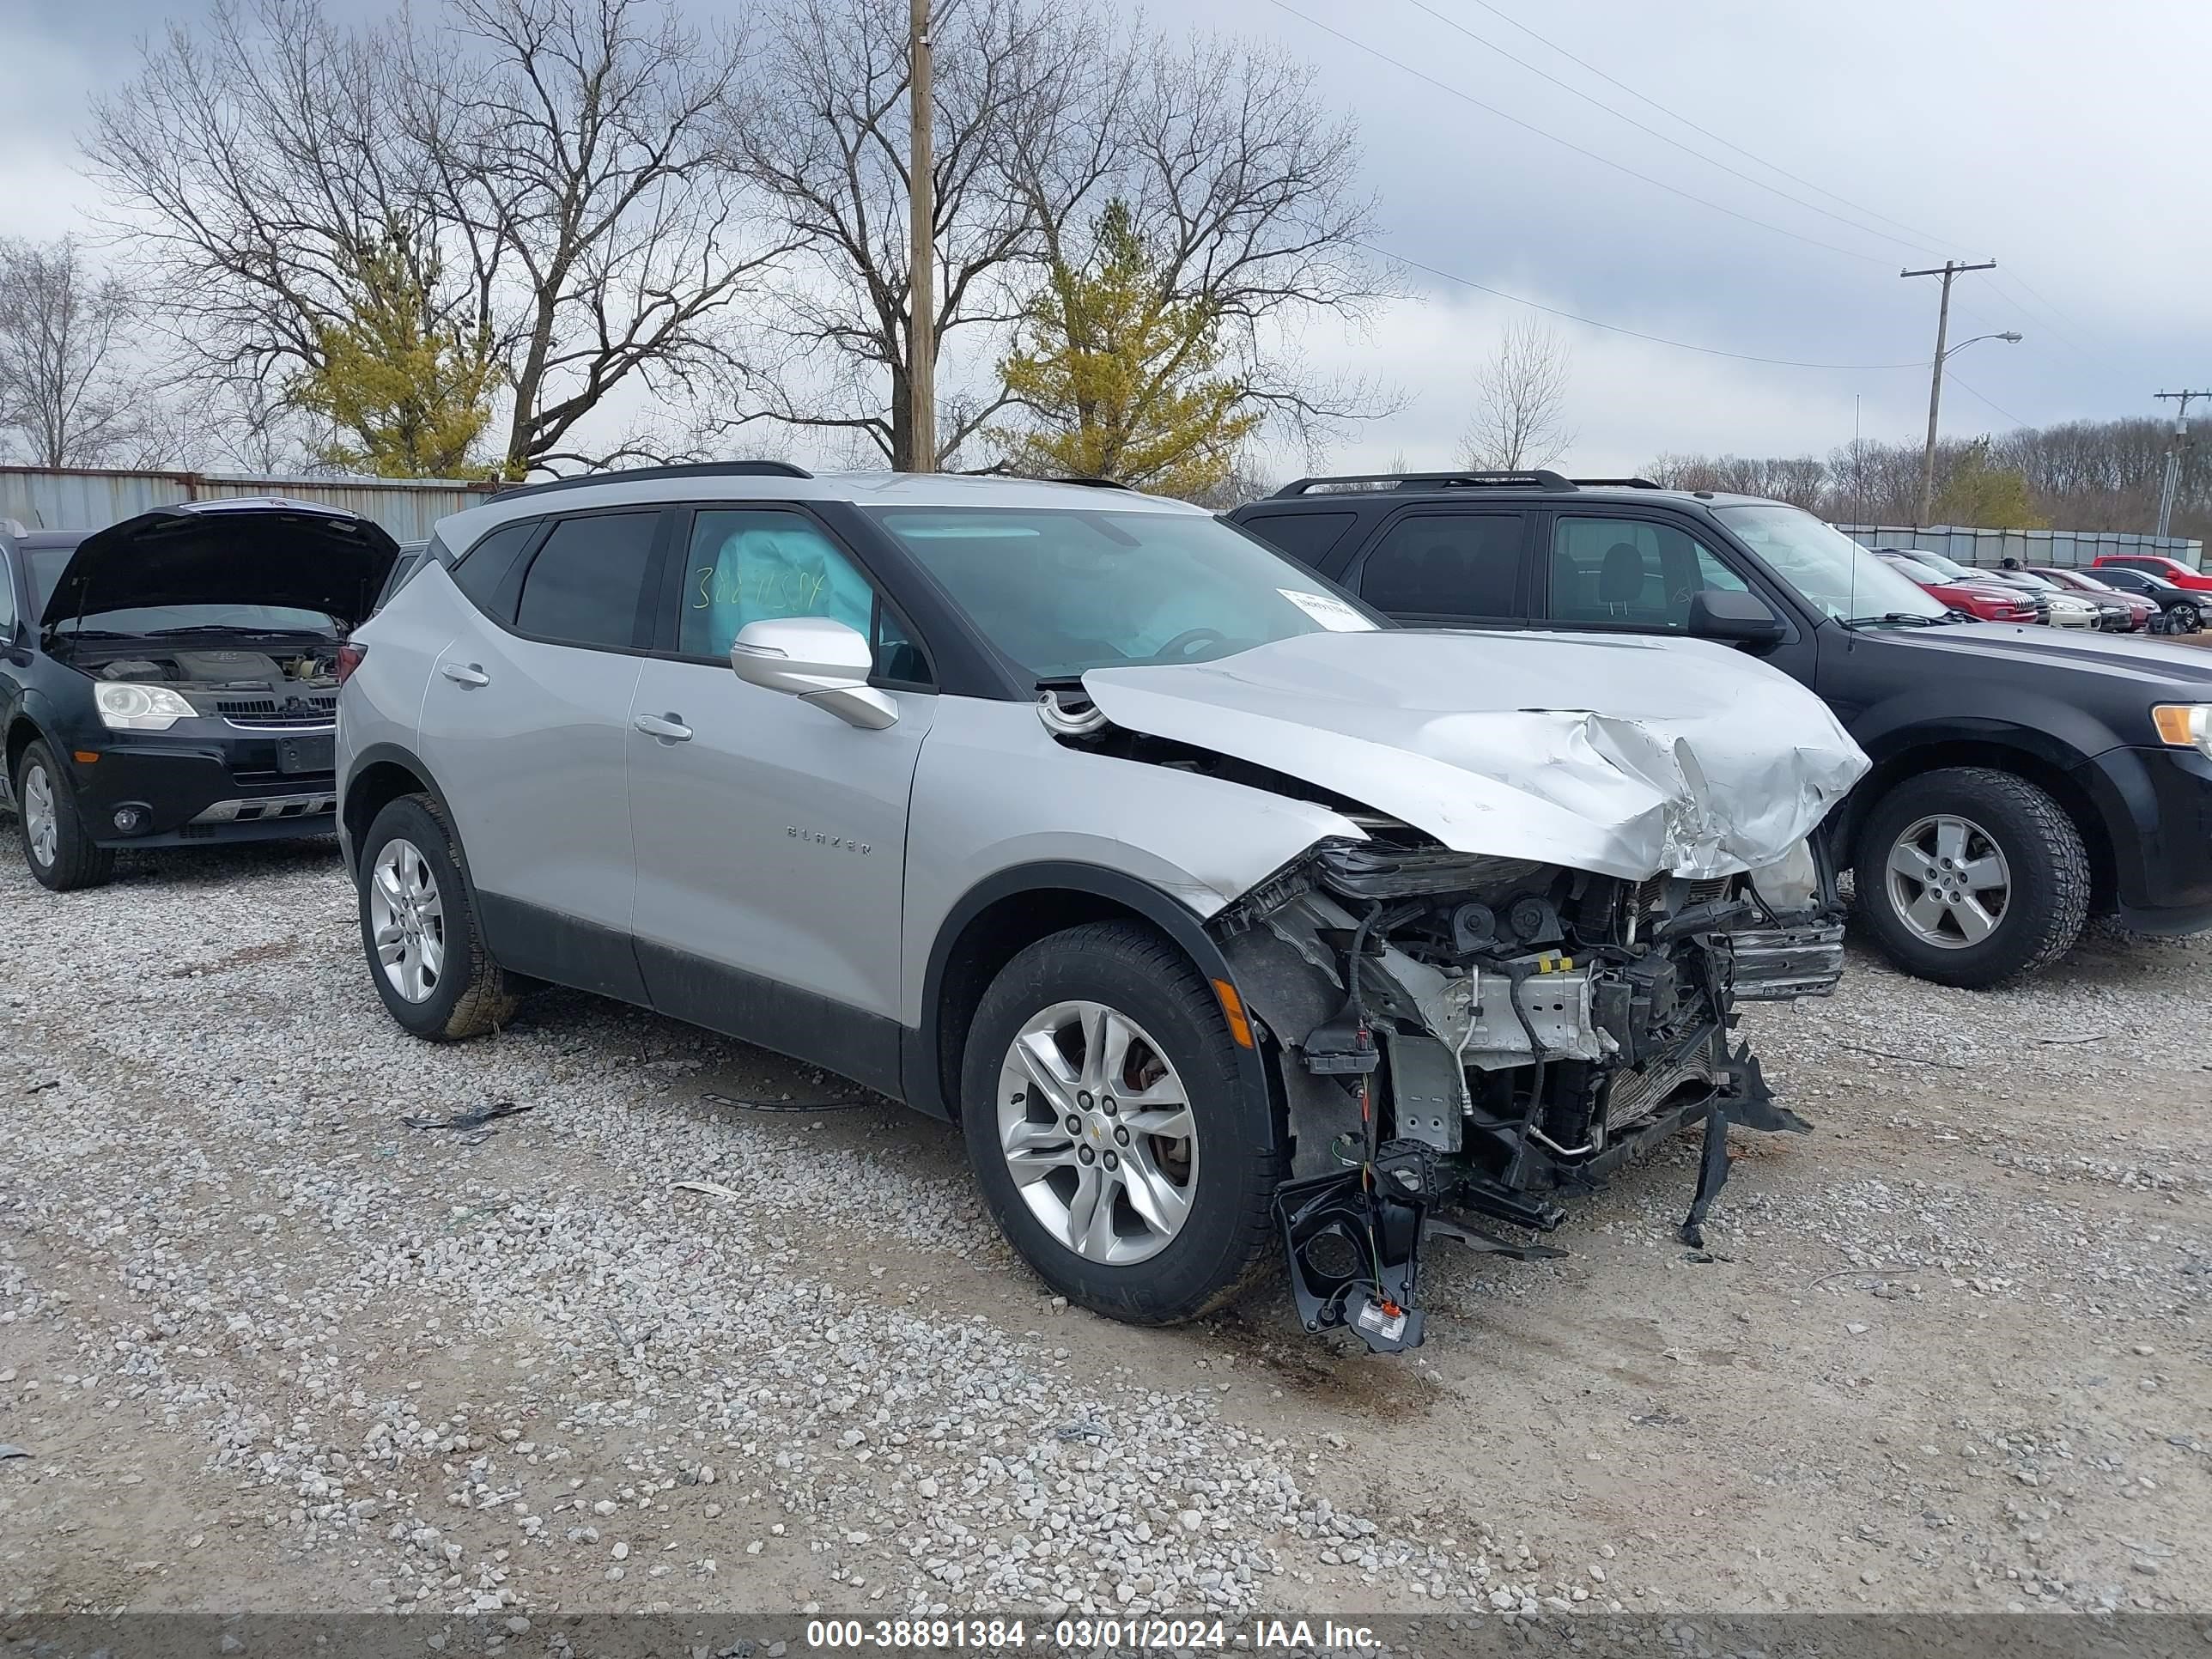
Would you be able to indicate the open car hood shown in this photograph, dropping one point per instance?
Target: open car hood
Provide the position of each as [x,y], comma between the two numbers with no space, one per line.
[1628,757]
[260,551]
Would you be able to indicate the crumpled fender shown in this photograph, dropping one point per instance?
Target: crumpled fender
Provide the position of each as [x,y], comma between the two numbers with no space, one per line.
[1626,756]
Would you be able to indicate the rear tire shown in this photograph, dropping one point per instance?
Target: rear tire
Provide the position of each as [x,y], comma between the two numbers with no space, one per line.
[418,928]
[61,854]
[1969,876]
[1119,990]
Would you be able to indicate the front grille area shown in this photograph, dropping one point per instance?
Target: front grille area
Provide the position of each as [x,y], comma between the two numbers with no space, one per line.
[295,708]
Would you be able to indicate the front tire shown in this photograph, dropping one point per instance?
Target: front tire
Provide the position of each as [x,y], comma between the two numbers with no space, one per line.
[2186,618]
[1969,876]
[61,856]
[1112,1132]
[418,928]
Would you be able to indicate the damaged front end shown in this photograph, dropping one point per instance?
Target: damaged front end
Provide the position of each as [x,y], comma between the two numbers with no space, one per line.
[1490,1036]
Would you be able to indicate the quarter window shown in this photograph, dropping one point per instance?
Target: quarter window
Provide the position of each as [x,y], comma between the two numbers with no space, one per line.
[480,572]
[1306,537]
[586,583]
[756,565]
[1636,573]
[1446,565]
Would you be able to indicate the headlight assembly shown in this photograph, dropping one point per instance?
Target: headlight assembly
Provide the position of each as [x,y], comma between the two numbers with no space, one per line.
[2185,725]
[127,706]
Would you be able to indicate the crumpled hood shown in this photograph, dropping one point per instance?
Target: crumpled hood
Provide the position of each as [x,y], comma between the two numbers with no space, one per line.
[256,551]
[1628,756]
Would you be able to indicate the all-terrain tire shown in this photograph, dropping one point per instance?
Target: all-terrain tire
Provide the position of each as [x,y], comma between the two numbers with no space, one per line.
[2048,898]
[472,996]
[76,861]
[1227,1240]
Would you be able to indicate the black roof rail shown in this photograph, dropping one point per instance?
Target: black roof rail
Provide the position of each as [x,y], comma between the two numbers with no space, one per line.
[649,474]
[1618,483]
[1094,483]
[1538,477]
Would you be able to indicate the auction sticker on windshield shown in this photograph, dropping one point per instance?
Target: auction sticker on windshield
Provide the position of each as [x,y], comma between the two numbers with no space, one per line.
[1333,614]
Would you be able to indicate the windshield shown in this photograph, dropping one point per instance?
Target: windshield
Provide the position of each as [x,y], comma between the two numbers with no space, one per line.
[1950,569]
[1061,591]
[45,564]
[1830,571]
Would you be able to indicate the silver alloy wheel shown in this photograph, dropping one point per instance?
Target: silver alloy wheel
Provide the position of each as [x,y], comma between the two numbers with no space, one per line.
[407,919]
[1097,1132]
[1949,881]
[42,822]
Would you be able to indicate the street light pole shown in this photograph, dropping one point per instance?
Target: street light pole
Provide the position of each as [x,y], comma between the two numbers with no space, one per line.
[1947,270]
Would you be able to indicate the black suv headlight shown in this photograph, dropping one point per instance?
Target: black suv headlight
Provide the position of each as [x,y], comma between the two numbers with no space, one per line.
[127,706]
[2185,725]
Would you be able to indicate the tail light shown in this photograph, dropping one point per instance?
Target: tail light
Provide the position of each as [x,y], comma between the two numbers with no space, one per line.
[350,658]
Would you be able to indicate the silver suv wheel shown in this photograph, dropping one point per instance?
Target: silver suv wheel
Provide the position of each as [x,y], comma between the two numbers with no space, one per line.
[407,919]
[1949,881]
[42,823]
[1097,1132]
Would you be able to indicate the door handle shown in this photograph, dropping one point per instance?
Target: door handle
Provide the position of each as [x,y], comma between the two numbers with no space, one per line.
[668,727]
[464,673]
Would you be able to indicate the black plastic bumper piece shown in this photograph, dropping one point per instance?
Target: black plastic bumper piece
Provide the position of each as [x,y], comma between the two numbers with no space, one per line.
[1353,1240]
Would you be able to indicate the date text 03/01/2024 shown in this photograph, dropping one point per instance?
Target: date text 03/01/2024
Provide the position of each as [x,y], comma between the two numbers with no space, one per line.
[1082,1635]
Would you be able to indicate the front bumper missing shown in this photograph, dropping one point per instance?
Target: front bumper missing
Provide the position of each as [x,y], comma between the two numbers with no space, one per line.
[1354,1238]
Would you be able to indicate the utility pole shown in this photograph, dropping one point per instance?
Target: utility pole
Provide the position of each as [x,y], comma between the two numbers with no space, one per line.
[1947,270]
[2173,453]
[922,245]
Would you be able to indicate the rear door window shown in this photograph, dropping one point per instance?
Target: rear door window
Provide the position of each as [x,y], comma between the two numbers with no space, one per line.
[589,584]
[1447,566]
[1637,574]
[6,597]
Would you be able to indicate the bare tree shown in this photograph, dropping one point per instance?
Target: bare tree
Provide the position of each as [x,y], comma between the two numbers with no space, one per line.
[1249,191]
[828,150]
[586,146]
[1521,395]
[555,167]
[71,387]
[254,161]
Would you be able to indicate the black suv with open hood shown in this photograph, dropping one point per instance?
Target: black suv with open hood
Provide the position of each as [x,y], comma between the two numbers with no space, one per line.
[173,678]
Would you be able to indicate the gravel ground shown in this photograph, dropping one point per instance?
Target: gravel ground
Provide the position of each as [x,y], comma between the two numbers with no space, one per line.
[271,1349]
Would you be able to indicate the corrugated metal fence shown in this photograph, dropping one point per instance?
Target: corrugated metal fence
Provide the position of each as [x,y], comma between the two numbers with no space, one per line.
[90,498]
[2067,549]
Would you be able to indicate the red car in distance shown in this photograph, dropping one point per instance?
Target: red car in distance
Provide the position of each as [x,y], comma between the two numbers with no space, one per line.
[1984,601]
[2153,564]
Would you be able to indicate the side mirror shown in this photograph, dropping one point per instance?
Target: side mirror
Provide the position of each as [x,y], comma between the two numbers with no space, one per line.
[816,660]
[1722,613]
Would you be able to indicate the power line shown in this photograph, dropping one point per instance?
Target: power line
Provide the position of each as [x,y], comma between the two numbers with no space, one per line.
[1615,328]
[1667,138]
[1978,398]
[2051,317]
[1928,237]
[1606,160]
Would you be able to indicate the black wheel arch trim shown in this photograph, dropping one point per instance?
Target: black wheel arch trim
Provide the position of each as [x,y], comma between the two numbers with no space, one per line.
[924,1062]
[381,754]
[1893,750]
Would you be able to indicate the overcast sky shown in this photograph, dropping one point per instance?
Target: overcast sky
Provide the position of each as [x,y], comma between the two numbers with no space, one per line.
[2067,142]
